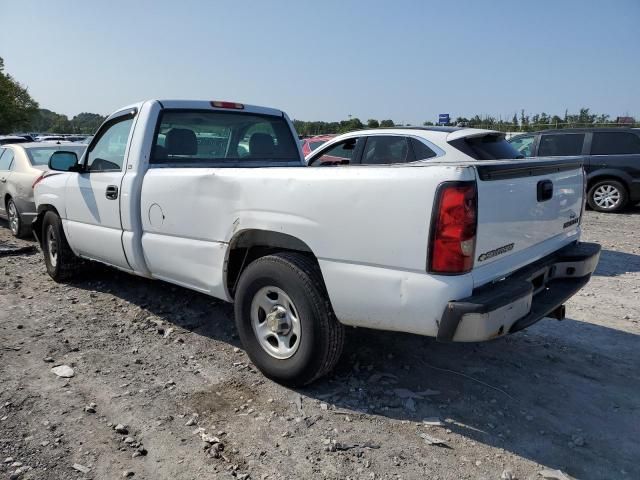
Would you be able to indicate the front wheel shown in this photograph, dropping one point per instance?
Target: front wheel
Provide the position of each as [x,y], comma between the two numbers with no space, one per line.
[60,260]
[607,196]
[285,320]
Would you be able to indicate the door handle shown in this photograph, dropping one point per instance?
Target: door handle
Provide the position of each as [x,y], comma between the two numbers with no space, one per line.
[112,192]
[544,190]
[3,180]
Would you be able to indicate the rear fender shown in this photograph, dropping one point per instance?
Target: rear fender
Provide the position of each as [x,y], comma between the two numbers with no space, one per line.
[613,173]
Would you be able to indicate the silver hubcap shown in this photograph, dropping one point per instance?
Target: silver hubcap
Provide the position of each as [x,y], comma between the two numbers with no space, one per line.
[52,245]
[14,219]
[606,196]
[275,322]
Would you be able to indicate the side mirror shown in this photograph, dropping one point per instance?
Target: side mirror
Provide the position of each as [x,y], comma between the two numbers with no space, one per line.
[62,161]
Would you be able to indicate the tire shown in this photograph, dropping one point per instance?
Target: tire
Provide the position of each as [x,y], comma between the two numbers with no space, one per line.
[60,260]
[607,196]
[16,224]
[290,286]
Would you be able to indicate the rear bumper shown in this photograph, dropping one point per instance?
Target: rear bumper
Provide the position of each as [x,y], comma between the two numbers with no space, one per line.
[535,291]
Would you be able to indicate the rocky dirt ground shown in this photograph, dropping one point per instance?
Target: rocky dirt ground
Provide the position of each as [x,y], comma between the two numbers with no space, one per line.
[162,389]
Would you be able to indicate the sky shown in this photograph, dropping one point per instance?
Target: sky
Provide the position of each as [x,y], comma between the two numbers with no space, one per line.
[325,60]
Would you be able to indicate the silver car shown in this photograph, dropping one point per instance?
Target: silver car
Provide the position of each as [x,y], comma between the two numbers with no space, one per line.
[20,166]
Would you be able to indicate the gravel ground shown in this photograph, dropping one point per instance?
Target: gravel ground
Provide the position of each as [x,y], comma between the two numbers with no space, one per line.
[162,390]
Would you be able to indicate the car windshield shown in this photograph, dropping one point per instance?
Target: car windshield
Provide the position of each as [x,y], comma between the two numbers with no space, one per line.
[39,156]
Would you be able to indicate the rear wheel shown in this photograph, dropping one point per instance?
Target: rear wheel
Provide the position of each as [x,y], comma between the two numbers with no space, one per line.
[61,262]
[17,226]
[285,320]
[607,196]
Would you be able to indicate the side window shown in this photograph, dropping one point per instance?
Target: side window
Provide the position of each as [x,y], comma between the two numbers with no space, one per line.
[560,145]
[6,159]
[339,154]
[384,150]
[523,144]
[615,143]
[420,150]
[107,155]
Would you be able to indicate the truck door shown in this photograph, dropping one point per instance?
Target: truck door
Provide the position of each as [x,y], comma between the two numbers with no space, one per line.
[93,224]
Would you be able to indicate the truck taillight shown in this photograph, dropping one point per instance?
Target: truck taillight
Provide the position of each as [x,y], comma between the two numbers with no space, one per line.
[453,231]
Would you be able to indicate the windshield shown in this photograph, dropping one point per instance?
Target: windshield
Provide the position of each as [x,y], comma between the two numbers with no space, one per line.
[39,156]
[198,138]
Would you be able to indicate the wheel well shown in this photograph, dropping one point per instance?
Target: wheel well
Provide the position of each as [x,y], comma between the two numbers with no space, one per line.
[600,178]
[250,245]
[37,225]
[6,199]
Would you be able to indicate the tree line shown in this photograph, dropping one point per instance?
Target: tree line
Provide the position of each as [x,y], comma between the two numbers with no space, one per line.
[518,123]
[47,121]
[19,112]
[543,121]
[344,126]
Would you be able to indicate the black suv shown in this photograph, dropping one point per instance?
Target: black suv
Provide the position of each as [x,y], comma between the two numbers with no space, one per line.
[611,160]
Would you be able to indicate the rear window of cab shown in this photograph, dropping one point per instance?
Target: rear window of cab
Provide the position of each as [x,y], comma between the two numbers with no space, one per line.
[201,138]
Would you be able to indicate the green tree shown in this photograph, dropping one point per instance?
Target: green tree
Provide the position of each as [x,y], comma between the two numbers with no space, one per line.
[16,105]
[524,120]
[350,125]
[62,125]
[373,123]
[387,123]
[427,124]
[86,122]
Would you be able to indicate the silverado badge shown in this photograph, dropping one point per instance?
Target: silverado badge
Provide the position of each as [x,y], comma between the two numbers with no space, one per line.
[494,253]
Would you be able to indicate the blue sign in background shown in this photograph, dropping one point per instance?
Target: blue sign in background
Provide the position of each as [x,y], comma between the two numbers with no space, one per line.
[443,118]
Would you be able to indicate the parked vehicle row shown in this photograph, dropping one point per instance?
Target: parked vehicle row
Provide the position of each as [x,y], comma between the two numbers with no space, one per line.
[442,232]
[24,138]
[611,160]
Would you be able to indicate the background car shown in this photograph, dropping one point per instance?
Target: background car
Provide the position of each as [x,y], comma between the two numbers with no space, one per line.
[611,156]
[394,145]
[311,143]
[51,138]
[20,166]
[6,139]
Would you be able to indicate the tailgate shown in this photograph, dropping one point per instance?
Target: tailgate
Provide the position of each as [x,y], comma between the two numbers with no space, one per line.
[526,209]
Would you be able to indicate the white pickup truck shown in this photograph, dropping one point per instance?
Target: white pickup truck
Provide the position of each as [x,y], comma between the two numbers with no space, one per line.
[216,197]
